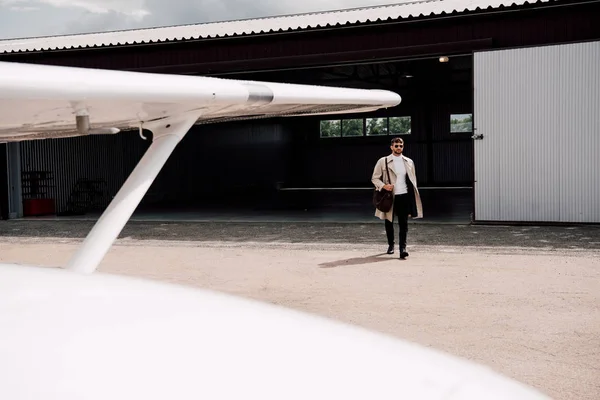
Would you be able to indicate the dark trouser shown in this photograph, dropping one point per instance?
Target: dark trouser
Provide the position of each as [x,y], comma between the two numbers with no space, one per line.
[401,209]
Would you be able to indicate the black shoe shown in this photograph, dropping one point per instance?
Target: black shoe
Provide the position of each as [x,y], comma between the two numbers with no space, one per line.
[403,253]
[390,249]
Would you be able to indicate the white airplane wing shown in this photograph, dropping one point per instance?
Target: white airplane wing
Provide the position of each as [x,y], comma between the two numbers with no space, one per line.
[38,101]
[41,102]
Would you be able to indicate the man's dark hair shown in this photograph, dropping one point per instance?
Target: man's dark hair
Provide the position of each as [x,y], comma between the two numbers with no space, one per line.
[397,140]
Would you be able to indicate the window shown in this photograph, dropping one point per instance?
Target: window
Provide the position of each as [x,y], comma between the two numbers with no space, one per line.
[352,127]
[400,125]
[331,128]
[377,126]
[381,126]
[461,123]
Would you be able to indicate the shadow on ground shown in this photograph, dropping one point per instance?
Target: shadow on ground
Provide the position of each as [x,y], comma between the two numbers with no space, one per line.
[357,261]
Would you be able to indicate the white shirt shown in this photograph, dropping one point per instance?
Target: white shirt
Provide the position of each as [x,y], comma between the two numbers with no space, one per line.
[400,186]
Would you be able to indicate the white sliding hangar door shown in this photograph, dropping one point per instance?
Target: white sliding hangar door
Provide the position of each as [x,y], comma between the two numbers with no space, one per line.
[537,134]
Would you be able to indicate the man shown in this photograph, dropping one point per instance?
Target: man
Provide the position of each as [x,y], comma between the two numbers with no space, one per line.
[403,182]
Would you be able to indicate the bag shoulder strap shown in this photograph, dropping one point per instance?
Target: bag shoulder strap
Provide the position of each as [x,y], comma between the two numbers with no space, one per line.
[388,170]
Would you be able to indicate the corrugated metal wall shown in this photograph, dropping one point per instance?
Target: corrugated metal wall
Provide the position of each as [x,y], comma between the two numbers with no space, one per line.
[451,154]
[244,158]
[105,161]
[539,111]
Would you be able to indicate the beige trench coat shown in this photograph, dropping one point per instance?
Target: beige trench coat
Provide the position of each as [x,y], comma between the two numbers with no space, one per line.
[380,173]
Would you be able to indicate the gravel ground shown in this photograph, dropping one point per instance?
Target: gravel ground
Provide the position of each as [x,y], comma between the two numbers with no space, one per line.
[585,237]
[521,300]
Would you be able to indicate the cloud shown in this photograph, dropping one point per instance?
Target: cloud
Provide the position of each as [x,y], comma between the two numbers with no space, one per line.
[125,7]
[23,8]
[59,17]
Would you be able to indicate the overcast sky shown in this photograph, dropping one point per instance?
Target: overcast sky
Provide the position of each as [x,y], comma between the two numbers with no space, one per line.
[29,18]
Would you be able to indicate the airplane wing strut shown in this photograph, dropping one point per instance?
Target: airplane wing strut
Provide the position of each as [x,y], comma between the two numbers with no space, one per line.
[167,135]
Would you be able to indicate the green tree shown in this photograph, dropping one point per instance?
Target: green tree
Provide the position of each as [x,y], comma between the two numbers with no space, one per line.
[376,126]
[400,125]
[330,129]
[352,127]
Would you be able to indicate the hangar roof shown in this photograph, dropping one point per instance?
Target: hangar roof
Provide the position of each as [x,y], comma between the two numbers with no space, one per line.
[409,9]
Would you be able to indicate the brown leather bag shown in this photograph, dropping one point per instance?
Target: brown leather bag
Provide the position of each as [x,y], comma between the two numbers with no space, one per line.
[384,199]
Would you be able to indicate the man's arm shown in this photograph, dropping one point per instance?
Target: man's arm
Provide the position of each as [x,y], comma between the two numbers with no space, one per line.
[378,175]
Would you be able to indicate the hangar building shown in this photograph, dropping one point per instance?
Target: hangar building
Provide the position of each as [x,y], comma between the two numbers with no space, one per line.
[500,112]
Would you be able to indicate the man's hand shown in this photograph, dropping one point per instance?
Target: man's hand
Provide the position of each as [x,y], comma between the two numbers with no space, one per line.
[389,188]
